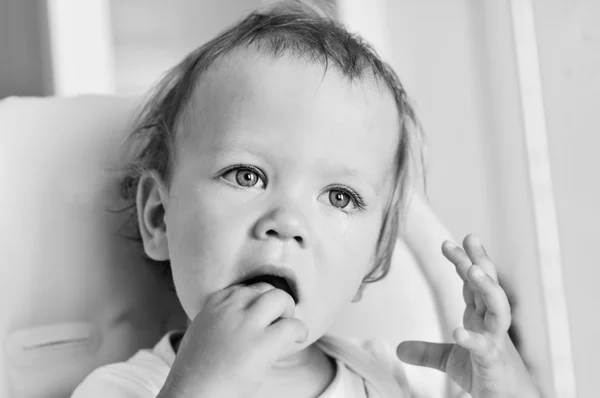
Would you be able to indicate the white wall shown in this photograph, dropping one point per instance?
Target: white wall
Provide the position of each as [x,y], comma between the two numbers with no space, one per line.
[569,46]
[24,58]
[150,36]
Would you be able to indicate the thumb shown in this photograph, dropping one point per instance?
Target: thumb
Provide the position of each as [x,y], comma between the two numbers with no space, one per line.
[420,353]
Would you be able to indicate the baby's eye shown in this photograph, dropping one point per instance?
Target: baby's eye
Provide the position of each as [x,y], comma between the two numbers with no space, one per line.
[345,199]
[339,198]
[244,177]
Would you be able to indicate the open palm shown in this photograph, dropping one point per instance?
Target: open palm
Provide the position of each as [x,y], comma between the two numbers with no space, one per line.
[483,362]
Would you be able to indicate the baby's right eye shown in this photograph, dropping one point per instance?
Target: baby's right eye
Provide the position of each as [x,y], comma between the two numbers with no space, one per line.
[244,176]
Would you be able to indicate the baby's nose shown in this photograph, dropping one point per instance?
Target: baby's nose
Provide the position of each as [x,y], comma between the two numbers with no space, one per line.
[284,224]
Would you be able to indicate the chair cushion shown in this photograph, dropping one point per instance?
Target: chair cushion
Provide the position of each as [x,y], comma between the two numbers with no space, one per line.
[76,293]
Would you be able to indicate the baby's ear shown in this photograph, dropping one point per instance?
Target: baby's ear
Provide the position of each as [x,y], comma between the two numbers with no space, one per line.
[151,203]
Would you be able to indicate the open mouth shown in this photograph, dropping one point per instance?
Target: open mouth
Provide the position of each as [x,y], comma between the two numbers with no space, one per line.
[277,282]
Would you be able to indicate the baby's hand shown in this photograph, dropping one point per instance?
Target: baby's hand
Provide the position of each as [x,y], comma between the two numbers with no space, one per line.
[484,362]
[233,341]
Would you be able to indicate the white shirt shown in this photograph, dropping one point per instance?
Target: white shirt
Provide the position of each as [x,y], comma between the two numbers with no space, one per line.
[363,369]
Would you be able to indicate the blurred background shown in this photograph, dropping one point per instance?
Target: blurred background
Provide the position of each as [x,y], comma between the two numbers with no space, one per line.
[508,93]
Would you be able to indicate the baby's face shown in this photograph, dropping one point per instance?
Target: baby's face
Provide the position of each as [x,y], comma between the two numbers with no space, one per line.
[280,166]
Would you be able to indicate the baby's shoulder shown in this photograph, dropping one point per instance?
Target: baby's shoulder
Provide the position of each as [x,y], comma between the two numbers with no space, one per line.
[143,375]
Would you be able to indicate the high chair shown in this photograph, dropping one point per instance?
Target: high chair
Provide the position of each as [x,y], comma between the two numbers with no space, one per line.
[76,293]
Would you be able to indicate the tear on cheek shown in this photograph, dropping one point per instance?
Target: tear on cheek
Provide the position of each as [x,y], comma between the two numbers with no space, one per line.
[344,229]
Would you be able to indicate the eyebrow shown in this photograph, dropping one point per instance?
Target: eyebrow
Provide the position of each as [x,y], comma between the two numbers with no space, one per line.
[342,170]
[236,147]
[339,169]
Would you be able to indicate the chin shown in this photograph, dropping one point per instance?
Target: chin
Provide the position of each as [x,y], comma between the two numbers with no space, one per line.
[296,348]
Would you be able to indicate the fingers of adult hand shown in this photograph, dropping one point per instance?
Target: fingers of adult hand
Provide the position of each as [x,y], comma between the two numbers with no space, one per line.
[483,348]
[420,353]
[458,257]
[497,310]
[273,304]
[478,255]
[288,330]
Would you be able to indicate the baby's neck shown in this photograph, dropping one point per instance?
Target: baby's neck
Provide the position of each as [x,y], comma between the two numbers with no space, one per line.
[306,374]
[303,375]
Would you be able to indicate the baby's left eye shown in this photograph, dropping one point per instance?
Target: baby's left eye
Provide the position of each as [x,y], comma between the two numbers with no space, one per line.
[339,198]
[344,199]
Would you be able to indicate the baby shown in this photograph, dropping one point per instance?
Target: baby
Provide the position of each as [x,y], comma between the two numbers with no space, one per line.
[270,185]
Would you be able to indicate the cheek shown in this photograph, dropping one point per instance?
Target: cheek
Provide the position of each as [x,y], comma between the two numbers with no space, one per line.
[198,225]
[200,238]
[358,243]
[188,231]
[350,249]
[347,255]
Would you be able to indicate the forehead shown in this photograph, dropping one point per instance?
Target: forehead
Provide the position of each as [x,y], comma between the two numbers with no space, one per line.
[254,100]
